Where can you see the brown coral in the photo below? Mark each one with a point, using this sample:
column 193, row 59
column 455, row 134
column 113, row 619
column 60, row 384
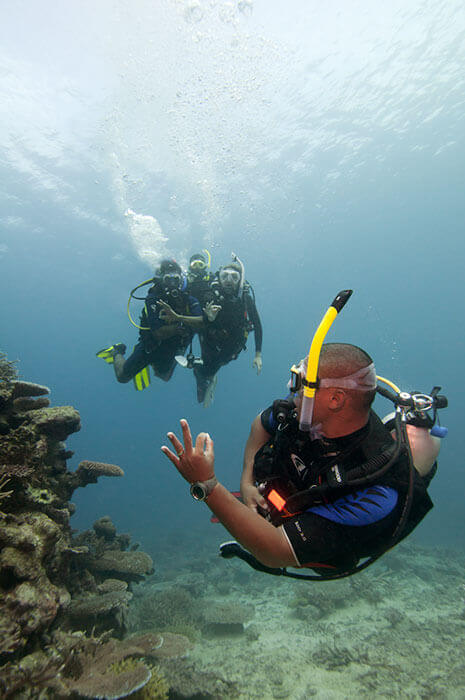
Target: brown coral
column 171, row 646
column 47, row 583
column 95, row 605
column 17, row 471
column 26, row 389
column 100, row 611
column 56, row 422
column 4, row 494
column 97, row 676
column 8, row 371
column 88, row 472
column 129, row 566
column 24, row 403
column 29, row 608
column 103, row 527
column 29, row 601
column 225, row 617
column 111, row 683
column 111, row 585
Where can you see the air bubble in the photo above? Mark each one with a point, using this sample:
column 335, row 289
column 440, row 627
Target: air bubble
column 245, row 7
column 193, row 12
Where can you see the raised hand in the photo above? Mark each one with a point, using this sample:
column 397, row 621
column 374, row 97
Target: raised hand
column 194, row 463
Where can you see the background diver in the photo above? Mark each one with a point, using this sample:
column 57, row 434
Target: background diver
column 161, row 336
column 199, row 277
column 223, row 336
column 325, row 484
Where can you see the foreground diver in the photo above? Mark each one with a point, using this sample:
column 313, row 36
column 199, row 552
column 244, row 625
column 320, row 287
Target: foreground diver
column 325, row 484
column 162, row 334
column 225, row 337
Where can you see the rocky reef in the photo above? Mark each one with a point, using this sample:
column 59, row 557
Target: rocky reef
column 64, row 596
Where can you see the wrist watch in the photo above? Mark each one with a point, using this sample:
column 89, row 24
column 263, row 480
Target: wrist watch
column 200, row 490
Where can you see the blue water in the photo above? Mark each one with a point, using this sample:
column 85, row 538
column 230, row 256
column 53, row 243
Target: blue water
column 322, row 144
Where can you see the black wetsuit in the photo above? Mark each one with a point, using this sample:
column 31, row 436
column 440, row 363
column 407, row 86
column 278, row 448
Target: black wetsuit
column 199, row 286
column 352, row 523
column 161, row 353
column 224, row 338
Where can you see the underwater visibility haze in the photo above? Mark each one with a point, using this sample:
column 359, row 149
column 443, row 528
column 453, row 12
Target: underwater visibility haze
column 323, row 143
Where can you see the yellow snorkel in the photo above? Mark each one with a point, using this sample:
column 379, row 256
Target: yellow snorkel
column 209, row 257
column 310, row 381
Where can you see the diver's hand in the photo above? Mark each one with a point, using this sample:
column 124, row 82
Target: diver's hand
column 211, row 310
column 252, row 497
column 193, row 463
column 166, row 313
column 257, row 362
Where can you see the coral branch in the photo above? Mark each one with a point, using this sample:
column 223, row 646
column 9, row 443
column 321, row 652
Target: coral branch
column 88, row 472
column 27, row 389
column 4, row 480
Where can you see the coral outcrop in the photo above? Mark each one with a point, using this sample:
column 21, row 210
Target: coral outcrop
column 92, row 667
column 64, row 597
column 227, row 618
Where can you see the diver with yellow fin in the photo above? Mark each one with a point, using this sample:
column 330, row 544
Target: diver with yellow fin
column 326, row 485
column 167, row 324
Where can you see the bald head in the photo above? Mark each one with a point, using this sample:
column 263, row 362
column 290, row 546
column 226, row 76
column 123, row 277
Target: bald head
column 341, row 359
column 344, row 360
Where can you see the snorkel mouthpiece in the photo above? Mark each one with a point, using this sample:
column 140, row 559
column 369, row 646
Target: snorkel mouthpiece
column 341, row 299
column 310, row 381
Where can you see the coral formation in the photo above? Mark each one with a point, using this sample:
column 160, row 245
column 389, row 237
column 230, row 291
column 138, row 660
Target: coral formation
column 156, row 689
column 130, row 566
column 28, row 389
column 87, row 667
column 58, row 589
column 165, row 609
column 111, row 669
column 25, row 403
column 89, row 472
column 104, row 528
column 227, row 618
column 8, row 371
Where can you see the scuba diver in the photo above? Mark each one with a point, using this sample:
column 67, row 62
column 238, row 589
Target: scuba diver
column 199, row 277
column 230, row 315
column 167, row 324
column 325, row 484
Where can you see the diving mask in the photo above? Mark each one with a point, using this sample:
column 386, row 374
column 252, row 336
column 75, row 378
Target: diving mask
column 198, row 266
column 172, row 280
column 295, row 383
column 229, row 276
column 363, row 379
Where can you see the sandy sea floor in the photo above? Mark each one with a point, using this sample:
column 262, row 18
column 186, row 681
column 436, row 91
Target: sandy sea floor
column 396, row 630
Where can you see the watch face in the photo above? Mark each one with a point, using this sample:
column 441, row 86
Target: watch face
column 198, row 492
